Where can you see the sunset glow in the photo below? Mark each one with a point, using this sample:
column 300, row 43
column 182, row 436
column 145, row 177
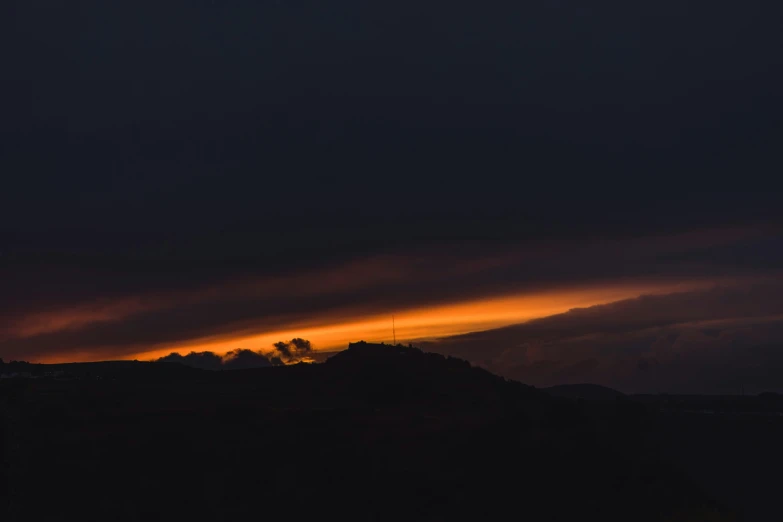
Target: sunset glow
column 431, row 322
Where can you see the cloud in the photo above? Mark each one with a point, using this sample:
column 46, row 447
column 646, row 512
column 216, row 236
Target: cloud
column 283, row 348
column 289, row 352
column 202, row 360
column 239, row 359
column 233, row 360
column 295, row 350
column 199, row 184
column 714, row 340
column 122, row 313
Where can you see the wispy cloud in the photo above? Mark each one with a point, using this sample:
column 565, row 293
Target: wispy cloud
column 701, row 340
column 434, row 292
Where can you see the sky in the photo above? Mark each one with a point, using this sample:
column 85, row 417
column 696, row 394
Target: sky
column 215, row 175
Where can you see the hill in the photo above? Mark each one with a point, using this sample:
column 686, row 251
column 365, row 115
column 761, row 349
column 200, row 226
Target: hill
column 133, row 370
column 374, row 433
column 592, row 392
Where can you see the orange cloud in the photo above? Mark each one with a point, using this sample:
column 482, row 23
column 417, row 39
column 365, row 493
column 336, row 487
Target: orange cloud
column 72, row 318
column 430, row 322
column 432, row 292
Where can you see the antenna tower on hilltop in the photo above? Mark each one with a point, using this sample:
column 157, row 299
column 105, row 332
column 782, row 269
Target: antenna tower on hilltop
column 394, row 332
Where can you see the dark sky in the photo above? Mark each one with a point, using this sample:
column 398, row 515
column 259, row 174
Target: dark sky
column 152, row 150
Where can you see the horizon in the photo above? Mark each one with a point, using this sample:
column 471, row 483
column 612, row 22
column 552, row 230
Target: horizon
column 433, row 323
column 222, row 176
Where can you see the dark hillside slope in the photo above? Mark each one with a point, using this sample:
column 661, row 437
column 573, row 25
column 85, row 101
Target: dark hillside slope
column 590, row 392
column 375, row 433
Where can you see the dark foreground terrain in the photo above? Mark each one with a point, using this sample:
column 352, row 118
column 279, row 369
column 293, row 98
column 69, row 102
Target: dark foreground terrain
column 375, row 433
column 731, row 446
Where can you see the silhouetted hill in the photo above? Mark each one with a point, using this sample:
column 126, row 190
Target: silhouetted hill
column 593, row 392
column 134, row 370
column 375, row 433
column 126, row 370
column 398, row 373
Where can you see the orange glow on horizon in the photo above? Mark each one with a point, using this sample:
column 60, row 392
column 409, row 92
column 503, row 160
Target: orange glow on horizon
column 421, row 323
